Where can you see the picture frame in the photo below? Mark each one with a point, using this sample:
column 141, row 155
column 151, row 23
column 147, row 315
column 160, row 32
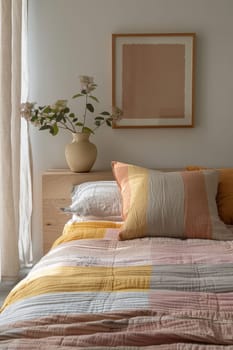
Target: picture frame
column 153, row 79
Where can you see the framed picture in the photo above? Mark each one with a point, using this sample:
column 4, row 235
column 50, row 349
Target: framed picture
column 153, row 79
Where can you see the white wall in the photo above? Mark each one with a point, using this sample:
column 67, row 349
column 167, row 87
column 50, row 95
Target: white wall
column 68, row 38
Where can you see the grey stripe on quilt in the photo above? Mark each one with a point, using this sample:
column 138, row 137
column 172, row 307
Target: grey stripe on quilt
column 195, row 277
column 93, row 302
column 79, row 303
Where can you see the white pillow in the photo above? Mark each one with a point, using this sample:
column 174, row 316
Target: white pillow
column 75, row 218
column 96, row 200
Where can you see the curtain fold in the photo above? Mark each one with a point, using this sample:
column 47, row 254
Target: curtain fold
column 25, row 207
column 25, row 204
column 10, row 98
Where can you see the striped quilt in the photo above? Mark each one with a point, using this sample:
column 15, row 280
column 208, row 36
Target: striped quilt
column 92, row 291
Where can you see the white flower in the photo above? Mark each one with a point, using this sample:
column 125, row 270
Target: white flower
column 26, row 110
column 85, row 79
column 116, row 113
column 87, row 83
column 59, row 105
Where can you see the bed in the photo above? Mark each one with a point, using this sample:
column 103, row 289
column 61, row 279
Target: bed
column 115, row 284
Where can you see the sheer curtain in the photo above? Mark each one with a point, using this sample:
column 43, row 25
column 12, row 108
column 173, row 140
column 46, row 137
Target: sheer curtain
column 25, row 241
column 10, row 129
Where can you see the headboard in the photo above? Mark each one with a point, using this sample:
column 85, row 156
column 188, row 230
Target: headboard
column 56, row 193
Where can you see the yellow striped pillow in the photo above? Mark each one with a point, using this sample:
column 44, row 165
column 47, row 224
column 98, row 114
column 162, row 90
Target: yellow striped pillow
column 171, row 204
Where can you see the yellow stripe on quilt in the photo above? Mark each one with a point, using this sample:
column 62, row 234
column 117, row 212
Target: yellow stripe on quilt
column 85, row 230
column 83, row 279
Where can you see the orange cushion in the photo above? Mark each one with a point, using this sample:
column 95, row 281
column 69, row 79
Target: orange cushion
column 224, row 195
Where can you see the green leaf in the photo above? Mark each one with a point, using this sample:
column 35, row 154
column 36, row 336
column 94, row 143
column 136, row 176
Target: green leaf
column 71, row 115
column 75, row 120
column 87, row 130
column 79, row 124
column 94, row 98
column 59, row 117
column 44, row 127
column 47, row 110
column 97, row 123
column 77, row 95
column 54, row 129
column 105, row 113
column 108, row 122
column 90, row 107
column 66, row 110
column 99, row 118
column 84, row 92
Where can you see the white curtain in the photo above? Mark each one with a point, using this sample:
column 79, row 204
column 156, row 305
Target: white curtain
column 10, row 128
column 25, row 241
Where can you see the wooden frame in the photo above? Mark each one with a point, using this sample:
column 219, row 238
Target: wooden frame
column 153, row 79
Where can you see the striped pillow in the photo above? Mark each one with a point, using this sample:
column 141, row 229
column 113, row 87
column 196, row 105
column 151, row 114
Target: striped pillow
column 172, row 204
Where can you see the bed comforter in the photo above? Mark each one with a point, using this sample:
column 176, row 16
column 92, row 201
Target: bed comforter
column 94, row 291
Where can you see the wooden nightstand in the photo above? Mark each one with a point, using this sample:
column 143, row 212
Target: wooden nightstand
column 57, row 185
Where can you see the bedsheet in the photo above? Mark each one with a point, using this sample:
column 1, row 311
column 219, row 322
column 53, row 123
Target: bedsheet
column 95, row 292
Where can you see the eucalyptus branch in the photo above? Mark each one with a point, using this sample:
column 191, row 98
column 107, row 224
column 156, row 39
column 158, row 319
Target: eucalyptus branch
column 53, row 117
column 97, row 126
column 85, row 111
column 66, row 127
column 73, row 126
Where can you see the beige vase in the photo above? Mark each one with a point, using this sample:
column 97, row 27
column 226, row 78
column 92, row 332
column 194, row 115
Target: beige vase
column 80, row 153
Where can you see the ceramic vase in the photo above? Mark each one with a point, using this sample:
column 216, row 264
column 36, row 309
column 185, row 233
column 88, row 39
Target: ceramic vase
column 80, row 153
